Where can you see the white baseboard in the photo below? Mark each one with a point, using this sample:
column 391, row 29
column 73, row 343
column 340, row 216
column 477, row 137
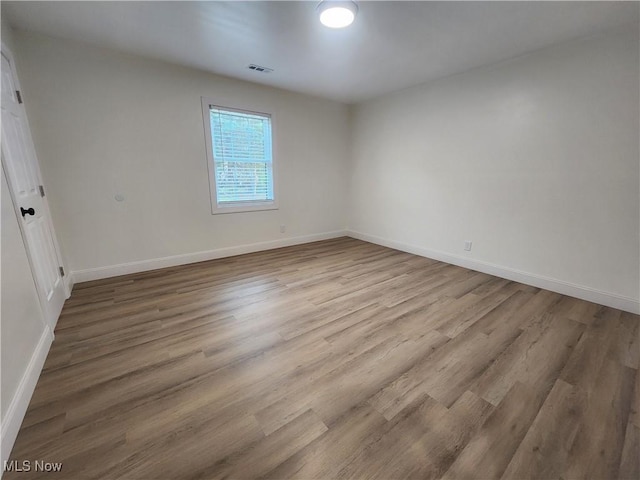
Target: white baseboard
column 18, row 407
column 155, row 263
column 578, row 291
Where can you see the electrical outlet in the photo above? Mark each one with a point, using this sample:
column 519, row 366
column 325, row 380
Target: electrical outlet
column 283, row 228
column 467, row 245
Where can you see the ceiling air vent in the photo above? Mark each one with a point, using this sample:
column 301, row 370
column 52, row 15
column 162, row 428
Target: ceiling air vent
column 258, row 68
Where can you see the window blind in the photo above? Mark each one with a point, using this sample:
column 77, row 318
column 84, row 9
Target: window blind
column 242, row 154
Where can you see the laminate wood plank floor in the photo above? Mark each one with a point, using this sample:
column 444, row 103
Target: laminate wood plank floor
column 335, row 359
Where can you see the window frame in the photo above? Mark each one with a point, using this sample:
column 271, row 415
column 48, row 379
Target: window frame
column 241, row 206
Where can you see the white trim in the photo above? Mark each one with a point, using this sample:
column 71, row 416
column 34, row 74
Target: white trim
column 18, row 407
column 249, row 207
column 155, row 263
column 565, row 288
column 68, row 283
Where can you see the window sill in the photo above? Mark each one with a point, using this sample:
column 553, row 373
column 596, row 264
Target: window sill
column 239, row 208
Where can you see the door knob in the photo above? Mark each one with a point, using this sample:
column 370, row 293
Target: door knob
column 29, row 211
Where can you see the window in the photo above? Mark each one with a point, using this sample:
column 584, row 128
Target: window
column 240, row 156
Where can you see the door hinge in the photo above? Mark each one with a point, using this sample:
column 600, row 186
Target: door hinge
column 41, row 188
column 61, row 271
column 19, row 96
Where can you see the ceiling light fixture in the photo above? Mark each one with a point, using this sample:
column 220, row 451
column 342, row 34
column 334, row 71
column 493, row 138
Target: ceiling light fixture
column 337, row 14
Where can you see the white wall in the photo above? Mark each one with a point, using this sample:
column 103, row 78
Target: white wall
column 106, row 123
column 535, row 160
column 24, row 337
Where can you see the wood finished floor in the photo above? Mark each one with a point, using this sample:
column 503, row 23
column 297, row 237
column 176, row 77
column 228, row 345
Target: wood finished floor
column 337, row 359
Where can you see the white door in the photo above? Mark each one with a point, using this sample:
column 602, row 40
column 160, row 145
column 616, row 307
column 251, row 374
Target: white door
column 23, row 174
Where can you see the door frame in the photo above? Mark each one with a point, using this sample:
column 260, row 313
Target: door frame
column 67, row 281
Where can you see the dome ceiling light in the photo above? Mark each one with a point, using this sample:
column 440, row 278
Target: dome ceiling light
column 337, row 14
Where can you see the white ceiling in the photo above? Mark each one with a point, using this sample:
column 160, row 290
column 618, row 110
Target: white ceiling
column 391, row 45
